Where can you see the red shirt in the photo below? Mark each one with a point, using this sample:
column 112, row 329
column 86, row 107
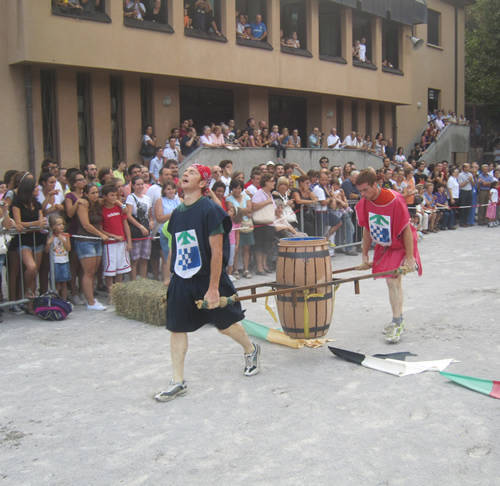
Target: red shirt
column 112, row 221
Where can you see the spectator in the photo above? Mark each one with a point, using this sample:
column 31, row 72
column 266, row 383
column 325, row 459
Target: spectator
column 429, row 206
column 355, row 50
column 444, row 212
column 203, row 19
column 304, row 200
column 387, row 183
column 77, row 183
column 484, row 182
column 163, row 210
column 315, row 139
column 389, row 150
column 90, row 172
column 216, row 138
column 333, row 140
column 105, row 175
column 171, row 152
column 27, row 214
column 254, row 184
column 227, row 170
column 282, row 38
column 140, row 218
column 362, row 50
column 189, row 142
column 293, row 41
column 259, row 29
column 89, row 248
column 241, row 203
column 188, row 21
column 399, row 158
column 120, row 171
column 133, row 170
column 294, row 140
column 49, row 197
column 491, row 212
column 349, row 186
column 134, row 9
column 241, row 25
column 264, row 233
column 350, row 141
column 114, row 224
column 148, row 145
column 156, row 163
column 58, row 246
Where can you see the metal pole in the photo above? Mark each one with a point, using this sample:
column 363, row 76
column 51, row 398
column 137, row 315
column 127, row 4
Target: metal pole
column 302, row 218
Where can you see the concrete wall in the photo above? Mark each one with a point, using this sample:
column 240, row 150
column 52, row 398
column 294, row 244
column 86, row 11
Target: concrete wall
column 245, row 158
column 454, row 139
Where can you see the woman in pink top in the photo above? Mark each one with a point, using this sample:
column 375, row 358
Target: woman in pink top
column 217, row 138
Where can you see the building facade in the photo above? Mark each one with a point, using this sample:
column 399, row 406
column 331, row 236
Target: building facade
column 80, row 84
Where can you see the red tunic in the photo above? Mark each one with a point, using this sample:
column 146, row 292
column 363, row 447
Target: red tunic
column 385, row 219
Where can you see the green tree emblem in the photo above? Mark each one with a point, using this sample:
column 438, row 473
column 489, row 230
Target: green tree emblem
column 184, row 238
column 378, row 219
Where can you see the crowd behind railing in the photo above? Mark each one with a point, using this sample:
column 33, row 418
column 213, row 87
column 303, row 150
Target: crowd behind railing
column 95, row 226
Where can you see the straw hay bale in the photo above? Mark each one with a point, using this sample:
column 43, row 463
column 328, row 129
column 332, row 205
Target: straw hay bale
column 143, row 300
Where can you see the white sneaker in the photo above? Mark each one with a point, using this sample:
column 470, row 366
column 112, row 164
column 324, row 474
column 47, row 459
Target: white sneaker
column 97, row 306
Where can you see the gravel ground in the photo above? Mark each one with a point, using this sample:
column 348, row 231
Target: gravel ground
column 76, row 405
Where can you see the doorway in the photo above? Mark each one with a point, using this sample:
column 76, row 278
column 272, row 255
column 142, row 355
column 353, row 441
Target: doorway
column 290, row 112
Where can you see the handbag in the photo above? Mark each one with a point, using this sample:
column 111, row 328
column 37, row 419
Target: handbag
column 289, row 215
column 141, row 217
column 147, row 150
column 265, row 215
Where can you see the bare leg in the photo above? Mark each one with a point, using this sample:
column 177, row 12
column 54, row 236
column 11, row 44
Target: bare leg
column 166, row 269
column 89, row 266
column 178, row 350
column 133, row 272
column 30, row 272
column 395, row 295
column 239, row 334
column 142, row 267
column 246, row 257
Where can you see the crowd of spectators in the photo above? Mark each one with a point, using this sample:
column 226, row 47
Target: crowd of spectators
column 117, row 218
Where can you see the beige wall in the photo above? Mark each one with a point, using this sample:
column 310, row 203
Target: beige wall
column 72, row 42
column 433, row 67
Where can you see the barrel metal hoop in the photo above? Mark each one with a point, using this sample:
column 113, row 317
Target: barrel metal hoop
column 304, row 255
column 285, row 298
column 312, row 330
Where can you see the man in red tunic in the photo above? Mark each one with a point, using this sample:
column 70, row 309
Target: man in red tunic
column 385, row 219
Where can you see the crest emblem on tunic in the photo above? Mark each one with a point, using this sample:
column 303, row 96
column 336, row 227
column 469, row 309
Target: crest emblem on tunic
column 188, row 257
column 380, row 228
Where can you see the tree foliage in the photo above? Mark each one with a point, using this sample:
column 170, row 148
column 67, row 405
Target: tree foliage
column 482, row 52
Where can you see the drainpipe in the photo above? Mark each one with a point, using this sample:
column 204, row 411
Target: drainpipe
column 456, row 60
column 28, row 90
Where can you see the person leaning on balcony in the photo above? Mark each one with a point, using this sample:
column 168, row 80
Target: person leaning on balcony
column 259, row 29
column 241, row 25
column 333, row 140
column 315, row 139
column 217, row 139
column 293, row 41
column 190, row 142
column 134, row 9
column 350, row 141
column 294, row 140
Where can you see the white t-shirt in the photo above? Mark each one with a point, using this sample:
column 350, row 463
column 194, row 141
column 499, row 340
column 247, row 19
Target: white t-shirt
column 453, row 186
column 493, row 195
column 141, row 204
column 400, row 158
column 251, row 189
column 319, row 192
column 362, row 52
column 332, row 140
column 204, row 140
column 226, row 181
column 58, row 199
column 155, row 165
column 60, row 254
column 170, row 153
column 349, row 142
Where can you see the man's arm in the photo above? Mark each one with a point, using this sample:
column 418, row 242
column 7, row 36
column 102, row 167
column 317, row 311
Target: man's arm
column 408, row 244
column 367, row 241
column 212, row 295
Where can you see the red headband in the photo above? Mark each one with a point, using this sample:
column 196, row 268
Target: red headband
column 205, row 174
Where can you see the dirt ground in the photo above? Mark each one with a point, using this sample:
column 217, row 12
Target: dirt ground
column 76, row 406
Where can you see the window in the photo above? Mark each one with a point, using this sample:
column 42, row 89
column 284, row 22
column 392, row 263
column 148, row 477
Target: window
column 116, row 95
column 433, row 23
column 246, row 16
column 354, row 115
column 390, row 45
column 82, row 9
column 202, row 19
column 433, row 99
column 361, row 38
column 49, row 114
column 368, row 118
column 340, row 117
column 205, row 105
column 293, row 22
column 330, row 35
column 146, row 102
column 147, row 14
column 84, row 119
column 290, row 112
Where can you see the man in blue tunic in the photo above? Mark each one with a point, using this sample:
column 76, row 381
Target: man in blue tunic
column 200, row 248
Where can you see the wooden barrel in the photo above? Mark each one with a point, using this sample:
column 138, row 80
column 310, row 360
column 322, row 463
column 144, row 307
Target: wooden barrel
column 304, row 261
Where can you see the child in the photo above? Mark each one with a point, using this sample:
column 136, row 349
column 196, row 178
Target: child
column 59, row 246
column 491, row 211
column 116, row 260
column 429, row 206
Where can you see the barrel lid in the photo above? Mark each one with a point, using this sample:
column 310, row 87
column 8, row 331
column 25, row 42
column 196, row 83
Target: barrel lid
column 302, row 241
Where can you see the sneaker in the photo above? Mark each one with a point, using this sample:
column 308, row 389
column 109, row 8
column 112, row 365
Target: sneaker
column 97, row 306
column 233, row 279
column 77, row 300
column 16, row 309
column 247, row 274
column 174, row 390
column 395, row 336
column 252, row 361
